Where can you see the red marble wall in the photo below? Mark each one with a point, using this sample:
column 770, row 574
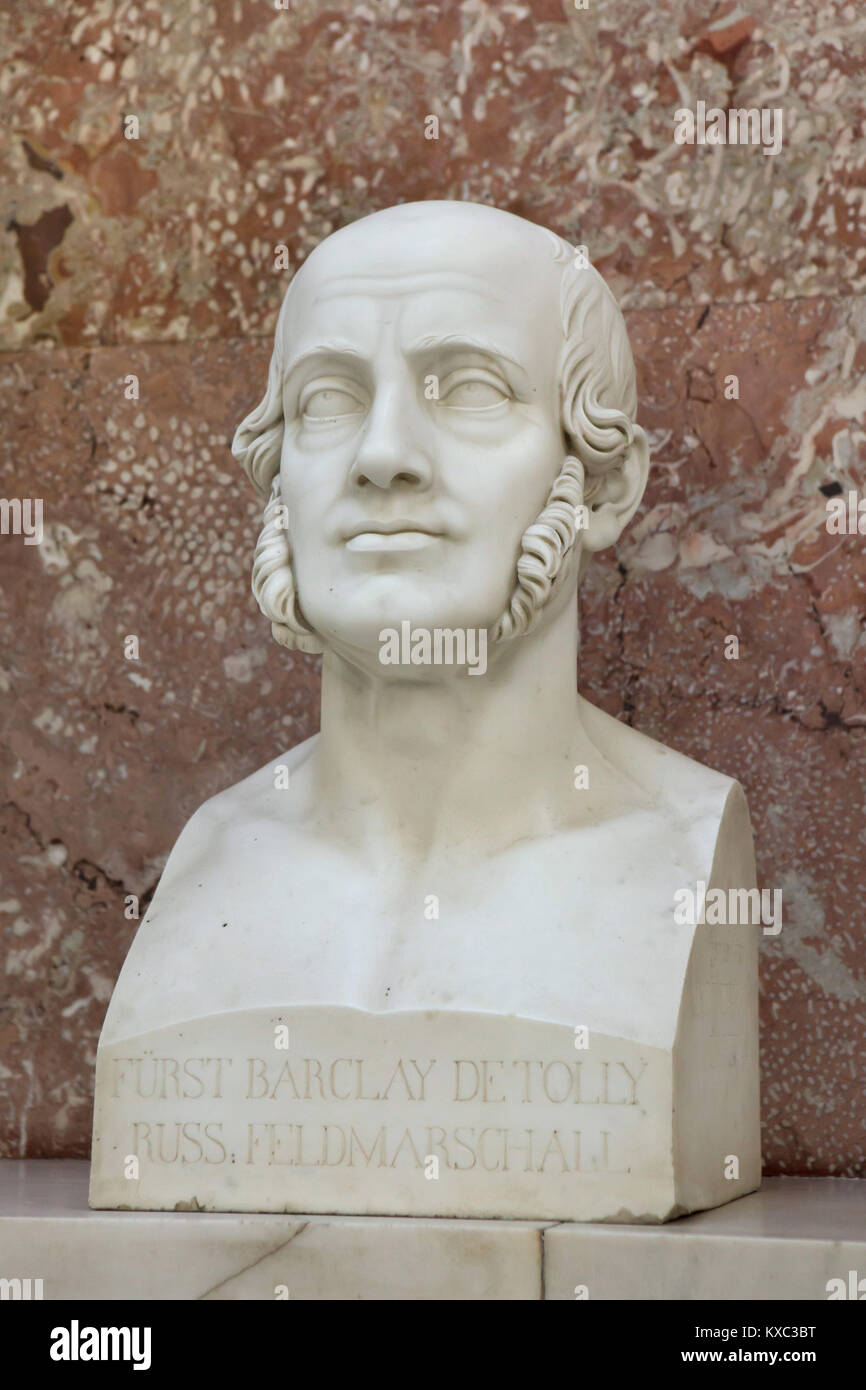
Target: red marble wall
column 155, row 257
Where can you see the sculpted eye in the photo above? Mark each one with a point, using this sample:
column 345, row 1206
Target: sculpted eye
column 473, row 393
column 330, row 403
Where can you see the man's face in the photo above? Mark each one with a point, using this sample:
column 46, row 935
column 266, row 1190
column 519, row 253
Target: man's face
column 422, row 429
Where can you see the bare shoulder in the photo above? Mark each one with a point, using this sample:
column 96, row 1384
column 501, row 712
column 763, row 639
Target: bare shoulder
column 252, row 796
column 232, row 815
column 678, row 786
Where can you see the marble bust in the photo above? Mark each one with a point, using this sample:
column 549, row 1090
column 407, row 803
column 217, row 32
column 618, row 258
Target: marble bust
column 428, row 961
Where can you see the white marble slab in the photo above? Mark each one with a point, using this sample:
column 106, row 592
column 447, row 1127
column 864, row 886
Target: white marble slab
column 48, row 1231
column 784, row 1242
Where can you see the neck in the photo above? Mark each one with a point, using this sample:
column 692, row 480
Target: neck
column 416, row 766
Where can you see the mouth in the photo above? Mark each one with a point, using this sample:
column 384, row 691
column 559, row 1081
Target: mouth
column 390, row 535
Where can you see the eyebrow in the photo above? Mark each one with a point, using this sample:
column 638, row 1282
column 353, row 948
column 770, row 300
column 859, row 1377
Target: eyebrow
column 461, row 342
column 333, row 349
column 452, row 342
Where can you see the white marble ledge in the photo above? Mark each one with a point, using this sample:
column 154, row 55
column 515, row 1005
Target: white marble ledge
column 48, row 1231
column 785, row 1241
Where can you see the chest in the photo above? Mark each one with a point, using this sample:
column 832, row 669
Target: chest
column 564, row 927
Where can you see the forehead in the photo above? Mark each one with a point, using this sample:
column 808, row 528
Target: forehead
column 429, row 276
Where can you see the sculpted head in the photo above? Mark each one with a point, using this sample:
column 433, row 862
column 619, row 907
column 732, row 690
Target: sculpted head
column 448, row 430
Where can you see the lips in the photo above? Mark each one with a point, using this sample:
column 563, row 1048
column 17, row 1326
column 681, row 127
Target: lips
column 401, row 526
column 387, row 537
column 390, row 541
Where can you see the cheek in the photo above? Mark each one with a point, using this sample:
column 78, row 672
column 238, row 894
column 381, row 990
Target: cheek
column 303, row 491
column 303, row 522
column 520, row 488
column 518, row 458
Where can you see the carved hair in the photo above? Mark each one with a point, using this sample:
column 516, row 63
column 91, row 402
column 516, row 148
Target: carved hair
column 598, row 405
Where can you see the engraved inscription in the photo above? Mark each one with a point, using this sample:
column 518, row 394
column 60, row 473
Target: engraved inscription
column 273, row 1112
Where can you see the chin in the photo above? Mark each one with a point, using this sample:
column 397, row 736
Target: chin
column 362, row 629
column 364, row 608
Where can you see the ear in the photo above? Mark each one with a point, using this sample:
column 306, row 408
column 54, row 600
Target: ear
column 617, row 496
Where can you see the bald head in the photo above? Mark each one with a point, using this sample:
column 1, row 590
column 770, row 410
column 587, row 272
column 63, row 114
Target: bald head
column 419, row 238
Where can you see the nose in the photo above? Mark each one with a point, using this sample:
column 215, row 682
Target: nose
column 391, row 449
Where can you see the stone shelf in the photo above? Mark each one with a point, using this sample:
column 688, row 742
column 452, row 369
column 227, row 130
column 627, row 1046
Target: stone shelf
column 784, row 1242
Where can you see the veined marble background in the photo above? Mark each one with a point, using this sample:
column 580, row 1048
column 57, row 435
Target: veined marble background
column 155, row 256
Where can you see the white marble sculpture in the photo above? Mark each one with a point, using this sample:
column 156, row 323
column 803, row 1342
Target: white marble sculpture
column 429, row 961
